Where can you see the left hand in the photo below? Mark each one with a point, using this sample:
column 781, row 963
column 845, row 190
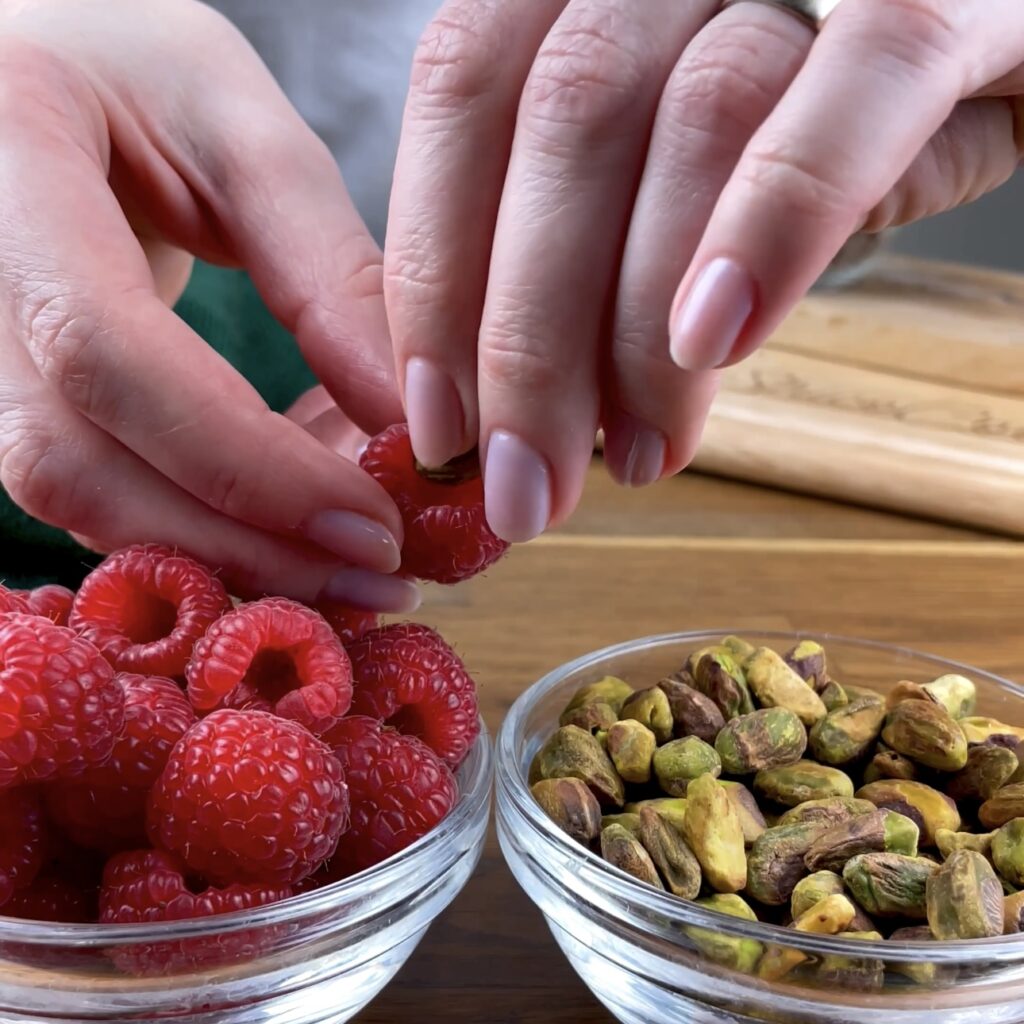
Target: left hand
column 600, row 202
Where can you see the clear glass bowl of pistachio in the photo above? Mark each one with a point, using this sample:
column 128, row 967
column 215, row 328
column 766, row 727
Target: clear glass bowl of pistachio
column 774, row 827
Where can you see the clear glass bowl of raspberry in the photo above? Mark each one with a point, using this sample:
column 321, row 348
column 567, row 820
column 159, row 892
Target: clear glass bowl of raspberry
column 316, row 958
column 632, row 944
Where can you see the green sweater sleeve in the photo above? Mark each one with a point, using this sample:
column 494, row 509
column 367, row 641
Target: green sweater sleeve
column 223, row 307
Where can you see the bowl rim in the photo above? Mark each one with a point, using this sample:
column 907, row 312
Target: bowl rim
column 511, row 781
column 475, row 778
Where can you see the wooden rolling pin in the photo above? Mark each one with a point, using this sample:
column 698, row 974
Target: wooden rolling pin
column 905, row 392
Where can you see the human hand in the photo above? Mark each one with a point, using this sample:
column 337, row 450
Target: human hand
column 136, row 135
column 599, row 203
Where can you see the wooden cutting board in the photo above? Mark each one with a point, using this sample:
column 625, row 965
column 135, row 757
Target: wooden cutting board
column 904, row 392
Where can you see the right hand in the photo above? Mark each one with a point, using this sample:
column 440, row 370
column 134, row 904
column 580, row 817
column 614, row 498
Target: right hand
column 137, row 135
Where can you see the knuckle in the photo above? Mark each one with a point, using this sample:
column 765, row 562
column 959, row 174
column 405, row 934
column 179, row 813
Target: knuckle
column 458, row 57
column 586, row 79
column 909, row 36
column 228, row 489
column 510, row 359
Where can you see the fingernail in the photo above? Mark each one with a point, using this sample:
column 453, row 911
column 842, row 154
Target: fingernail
column 517, row 489
column 635, row 453
column 434, row 412
column 355, row 538
column 710, row 317
column 372, row 591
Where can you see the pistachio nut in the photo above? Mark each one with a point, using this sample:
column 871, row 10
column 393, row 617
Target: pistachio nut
column 1018, row 752
column 957, row 694
column 720, row 678
column 858, row 974
column 984, row 730
column 829, row 917
column 807, row 660
column 887, row 764
column 926, row 733
column 905, row 689
column 678, row 867
column 631, row 746
column 830, row 811
column 1008, row 851
column 776, row 861
column 625, row 851
column 1013, row 914
column 768, row 738
column 731, row 951
column 672, row 809
column 594, row 717
column 805, row 780
column 919, row 972
column 949, row 842
column 693, row 714
column 889, row 884
column 713, row 831
column 927, row 807
column 571, row 805
column 739, row 647
column 881, row 832
column 690, row 668
column 751, row 819
column 846, row 733
column 572, row 753
column 651, row 708
column 813, row 889
column 610, row 691
column 679, row 762
column 776, row 685
column 630, row 822
column 1007, row 804
column 853, row 692
column 988, row 769
column 965, row 899
column 833, row 696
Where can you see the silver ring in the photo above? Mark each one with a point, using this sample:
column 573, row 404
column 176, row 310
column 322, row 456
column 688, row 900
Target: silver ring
column 813, row 12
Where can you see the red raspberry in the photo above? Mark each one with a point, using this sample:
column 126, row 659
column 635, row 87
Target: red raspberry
column 149, row 886
column 348, row 623
column 146, row 606
column 273, row 655
column 447, row 538
column 400, row 789
column 23, row 841
column 409, row 677
column 248, row 797
column 60, row 708
column 52, row 602
column 13, row 601
column 58, row 894
column 105, row 808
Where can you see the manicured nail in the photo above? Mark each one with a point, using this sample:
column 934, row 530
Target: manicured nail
column 434, row 412
column 710, row 317
column 517, row 489
column 355, row 538
column 634, row 452
column 372, row 591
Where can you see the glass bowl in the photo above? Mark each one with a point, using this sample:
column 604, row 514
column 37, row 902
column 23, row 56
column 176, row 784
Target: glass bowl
column 317, row 958
column 629, row 942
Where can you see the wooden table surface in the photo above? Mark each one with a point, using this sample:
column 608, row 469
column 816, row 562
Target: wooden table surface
column 693, row 552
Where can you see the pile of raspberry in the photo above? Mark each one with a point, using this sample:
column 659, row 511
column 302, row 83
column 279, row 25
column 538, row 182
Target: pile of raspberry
column 166, row 753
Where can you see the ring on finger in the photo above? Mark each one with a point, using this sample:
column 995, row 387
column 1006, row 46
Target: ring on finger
column 813, row 12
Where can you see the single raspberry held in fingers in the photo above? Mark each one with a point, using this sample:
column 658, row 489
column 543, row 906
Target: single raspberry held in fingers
column 105, row 807
column 146, row 606
column 249, row 797
column 52, row 602
column 13, row 601
column 348, row 623
column 272, row 655
column 61, row 709
column 407, row 676
column 399, row 788
column 24, row 841
column 150, row 886
column 447, row 538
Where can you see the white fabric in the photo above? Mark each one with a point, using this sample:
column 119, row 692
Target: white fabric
column 345, row 65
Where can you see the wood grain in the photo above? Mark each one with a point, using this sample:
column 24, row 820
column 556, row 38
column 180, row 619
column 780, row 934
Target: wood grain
column 490, row 958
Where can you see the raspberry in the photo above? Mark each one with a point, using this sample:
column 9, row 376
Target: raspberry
column 348, row 623
column 148, row 886
column 409, row 677
column 13, row 601
column 273, row 655
column 52, row 602
column 105, row 808
column 60, row 708
column 66, row 896
column 146, row 606
column 447, row 538
column 400, row 789
column 23, row 841
column 248, row 797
